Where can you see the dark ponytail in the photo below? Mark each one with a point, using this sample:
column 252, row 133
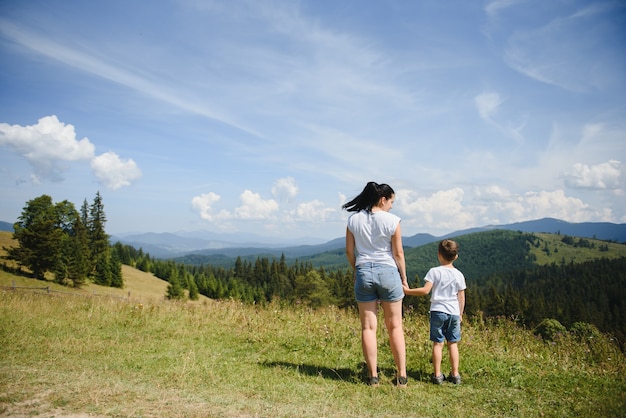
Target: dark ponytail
column 369, row 197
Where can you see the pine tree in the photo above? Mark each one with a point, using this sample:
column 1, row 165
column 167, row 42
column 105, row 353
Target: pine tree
column 75, row 250
column 39, row 237
column 193, row 287
column 115, row 266
column 174, row 288
column 102, row 273
column 98, row 239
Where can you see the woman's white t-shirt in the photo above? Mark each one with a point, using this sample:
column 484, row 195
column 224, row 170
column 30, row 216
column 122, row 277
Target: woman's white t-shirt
column 372, row 236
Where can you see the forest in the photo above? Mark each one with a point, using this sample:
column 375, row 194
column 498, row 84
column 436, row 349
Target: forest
column 72, row 245
column 501, row 268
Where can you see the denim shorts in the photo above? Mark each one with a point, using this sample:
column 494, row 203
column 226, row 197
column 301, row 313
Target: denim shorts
column 444, row 325
column 375, row 281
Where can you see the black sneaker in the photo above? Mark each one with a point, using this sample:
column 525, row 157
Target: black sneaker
column 437, row 380
column 374, row 381
column 401, row 381
column 456, row 380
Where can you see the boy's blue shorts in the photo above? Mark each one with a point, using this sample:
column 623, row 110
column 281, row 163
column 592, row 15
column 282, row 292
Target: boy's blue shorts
column 444, row 326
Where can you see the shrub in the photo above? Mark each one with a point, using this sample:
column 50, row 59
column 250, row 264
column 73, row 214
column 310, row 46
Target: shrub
column 549, row 329
column 584, row 331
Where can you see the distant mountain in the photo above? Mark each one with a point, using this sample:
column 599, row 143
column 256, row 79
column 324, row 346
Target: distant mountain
column 169, row 245
column 5, row 226
column 204, row 244
column 599, row 230
column 418, row 240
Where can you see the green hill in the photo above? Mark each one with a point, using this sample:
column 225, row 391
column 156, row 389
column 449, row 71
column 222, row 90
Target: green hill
column 138, row 285
column 483, row 254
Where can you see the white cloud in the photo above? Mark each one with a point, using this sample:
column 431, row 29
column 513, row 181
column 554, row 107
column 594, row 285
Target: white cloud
column 314, row 211
column 285, row 188
column 113, row 172
column 555, row 204
column 487, row 104
column 443, row 209
column 45, row 145
column 493, row 8
column 456, row 208
column 600, row 176
column 253, row 207
column 204, row 204
column 49, row 143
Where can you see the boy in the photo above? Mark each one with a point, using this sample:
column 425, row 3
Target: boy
column 447, row 303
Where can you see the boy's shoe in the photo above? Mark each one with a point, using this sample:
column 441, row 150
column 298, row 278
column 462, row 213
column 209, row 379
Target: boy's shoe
column 401, row 381
column 437, row 380
column 456, row 380
column 373, row 381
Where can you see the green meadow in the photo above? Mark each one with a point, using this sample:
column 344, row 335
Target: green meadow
column 105, row 352
column 82, row 355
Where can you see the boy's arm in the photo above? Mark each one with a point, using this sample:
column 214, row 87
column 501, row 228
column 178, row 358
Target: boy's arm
column 419, row 291
column 461, row 297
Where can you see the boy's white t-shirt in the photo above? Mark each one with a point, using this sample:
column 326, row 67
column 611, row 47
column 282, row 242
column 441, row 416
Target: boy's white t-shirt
column 372, row 236
column 447, row 282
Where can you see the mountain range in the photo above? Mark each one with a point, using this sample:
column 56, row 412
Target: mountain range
column 172, row 245
column 169, row 245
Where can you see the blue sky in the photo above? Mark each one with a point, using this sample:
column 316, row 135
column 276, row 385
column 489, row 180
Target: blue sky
column 263, row 117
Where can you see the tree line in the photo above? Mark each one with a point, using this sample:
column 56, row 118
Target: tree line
column 507, row 284
column 71, row 245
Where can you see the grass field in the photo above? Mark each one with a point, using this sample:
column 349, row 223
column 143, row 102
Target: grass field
column 75, row 355
column 69, row 356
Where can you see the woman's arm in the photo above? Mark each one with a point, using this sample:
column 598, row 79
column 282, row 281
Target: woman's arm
column 350, row 249
column 398, row 254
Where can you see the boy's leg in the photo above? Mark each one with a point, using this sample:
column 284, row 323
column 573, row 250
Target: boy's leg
column 437, row 354
column 369, row 322
column 453, row 349
column 393, row 322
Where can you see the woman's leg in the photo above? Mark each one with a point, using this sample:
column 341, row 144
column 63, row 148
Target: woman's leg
column 369, row 322
column 393, row 321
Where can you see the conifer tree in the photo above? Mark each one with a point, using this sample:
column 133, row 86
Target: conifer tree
column 74, row 251
column 174, row 288
column 39, row 237
column 193, row 287
column 115, row 266
column 102, row 273
column 98, row 239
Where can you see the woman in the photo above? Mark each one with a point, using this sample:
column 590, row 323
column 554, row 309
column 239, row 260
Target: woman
column 374, row 250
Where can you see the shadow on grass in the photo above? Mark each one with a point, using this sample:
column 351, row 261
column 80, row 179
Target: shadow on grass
column 343, row 374
column 19, row 271
column 419, row 375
